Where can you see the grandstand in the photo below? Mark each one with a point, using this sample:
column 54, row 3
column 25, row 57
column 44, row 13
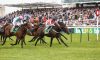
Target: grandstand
column 82, row 3
column 75, row 1
column 35, row 5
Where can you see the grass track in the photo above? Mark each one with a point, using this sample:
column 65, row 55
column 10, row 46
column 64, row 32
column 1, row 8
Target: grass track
column 76, row 50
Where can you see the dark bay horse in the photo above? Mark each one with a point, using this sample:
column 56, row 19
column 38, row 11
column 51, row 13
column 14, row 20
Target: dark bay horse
column 36, row 34
column 54, row 33
column 20, row 34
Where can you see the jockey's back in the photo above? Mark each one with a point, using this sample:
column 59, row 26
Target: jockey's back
column 17, row 20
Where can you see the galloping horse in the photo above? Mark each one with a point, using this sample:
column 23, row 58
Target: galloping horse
column 53, row 33
column 2, row 31
column 20, row 34
column 37, row 35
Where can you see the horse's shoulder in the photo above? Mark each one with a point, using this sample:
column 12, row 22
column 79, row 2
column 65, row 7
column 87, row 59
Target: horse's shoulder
column 9, row 26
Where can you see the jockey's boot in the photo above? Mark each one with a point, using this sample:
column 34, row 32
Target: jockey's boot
column 12, row 29
column 48, row 29
column 29, row 31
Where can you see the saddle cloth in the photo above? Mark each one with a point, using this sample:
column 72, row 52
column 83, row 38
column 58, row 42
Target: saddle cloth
column 15, row 29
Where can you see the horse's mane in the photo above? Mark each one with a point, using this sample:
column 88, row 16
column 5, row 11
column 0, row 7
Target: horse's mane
column 23, row 25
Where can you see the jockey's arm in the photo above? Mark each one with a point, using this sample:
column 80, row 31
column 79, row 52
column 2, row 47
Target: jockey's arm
column 52, row 25
column 14, row 22
column 21, row 22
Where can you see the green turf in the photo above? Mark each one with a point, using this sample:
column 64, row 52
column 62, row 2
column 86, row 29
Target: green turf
column 76, row 50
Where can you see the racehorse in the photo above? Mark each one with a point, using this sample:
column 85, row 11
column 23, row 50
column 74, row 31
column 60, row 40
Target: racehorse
column 36, row 34
column 20, row 34
column 2, row 32
column 53, row 33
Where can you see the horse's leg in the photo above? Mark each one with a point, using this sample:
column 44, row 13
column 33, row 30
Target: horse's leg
column 40, row 41
column 22, row 41
column 63, row 41
column 51, row 41
column 63, row 36
column 43, row 41
column 58, row 40
column 4, row 40
column 11, row 39
column 33, row 39
column 37, row 41
column 17, row 42
column 1, row 38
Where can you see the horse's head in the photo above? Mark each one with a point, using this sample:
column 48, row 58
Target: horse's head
column 6, row 24
column 27, row 25
column 63, row 27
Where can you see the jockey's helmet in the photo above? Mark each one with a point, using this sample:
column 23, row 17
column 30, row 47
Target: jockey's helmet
column 21, row 17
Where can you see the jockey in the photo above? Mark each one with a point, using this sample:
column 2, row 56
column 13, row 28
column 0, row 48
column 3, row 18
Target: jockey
column 31, row 20
column 49, row 23
column 44, row 19
column 26, row 17
column 60, row 18
column 17, row 21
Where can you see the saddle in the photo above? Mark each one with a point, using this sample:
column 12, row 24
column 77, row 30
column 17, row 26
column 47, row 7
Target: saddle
column 15, row 29
column 47, row 29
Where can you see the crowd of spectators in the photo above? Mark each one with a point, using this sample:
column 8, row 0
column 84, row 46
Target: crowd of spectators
column 71, row 16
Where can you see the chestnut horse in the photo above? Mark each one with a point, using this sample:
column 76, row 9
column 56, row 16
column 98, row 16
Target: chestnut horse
column 2, row 31
column 20, row 34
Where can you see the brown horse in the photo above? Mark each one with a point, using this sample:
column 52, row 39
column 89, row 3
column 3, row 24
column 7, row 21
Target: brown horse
column 54, row 33
column 36, row 34
column 2, row 31
column 20, row 34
